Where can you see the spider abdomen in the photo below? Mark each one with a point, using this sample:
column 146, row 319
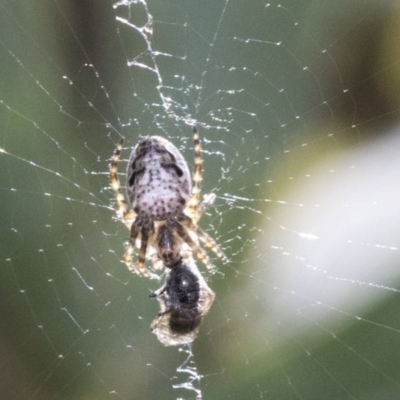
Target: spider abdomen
column 159, row 182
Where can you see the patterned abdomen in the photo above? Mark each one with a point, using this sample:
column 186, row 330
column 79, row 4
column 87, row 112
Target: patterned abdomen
column 159, row 183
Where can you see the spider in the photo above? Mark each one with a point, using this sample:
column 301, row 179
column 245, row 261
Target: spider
column 162, row 209
column 184, row 298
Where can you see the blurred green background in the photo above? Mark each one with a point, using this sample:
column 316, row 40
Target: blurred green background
column 298, row 104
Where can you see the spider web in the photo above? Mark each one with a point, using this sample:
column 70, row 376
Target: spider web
column 298, row 110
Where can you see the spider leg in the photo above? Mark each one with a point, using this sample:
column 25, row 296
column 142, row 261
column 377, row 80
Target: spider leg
column 181, row 231
column 197, row 176
column 145, row 228
column 210, row 243
column 146, row 231
column 208, row 199
column 114, row 181
column 203, row 236
column 135, row 229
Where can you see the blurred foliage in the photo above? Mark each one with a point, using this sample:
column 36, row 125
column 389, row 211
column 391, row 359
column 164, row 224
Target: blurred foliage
column 74, row 322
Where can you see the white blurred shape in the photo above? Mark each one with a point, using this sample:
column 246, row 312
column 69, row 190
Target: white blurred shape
column 355, row 262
